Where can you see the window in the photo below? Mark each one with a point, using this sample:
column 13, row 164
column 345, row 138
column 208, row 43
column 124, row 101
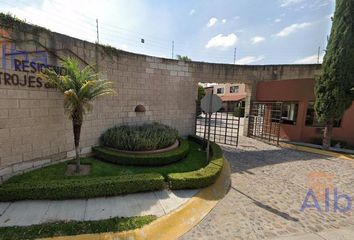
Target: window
column 220, row 90
column 234, row 89
column 289, row 112
column 311, row 119
column 241, row 104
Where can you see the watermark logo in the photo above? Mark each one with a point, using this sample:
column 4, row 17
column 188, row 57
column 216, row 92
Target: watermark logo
column 321, row 190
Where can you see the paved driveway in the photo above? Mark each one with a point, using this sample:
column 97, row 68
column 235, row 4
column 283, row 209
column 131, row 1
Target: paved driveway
column 269, row 185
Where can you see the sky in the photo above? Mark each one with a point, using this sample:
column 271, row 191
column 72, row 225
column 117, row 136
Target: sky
column 262, row 32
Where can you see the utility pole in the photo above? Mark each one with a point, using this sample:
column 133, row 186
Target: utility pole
column 173, row 48
column 98, row 36
column 235, row 56
column 318, row 55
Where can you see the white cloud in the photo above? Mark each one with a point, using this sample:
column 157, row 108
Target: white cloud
column 316, row 4
column 191, row 12
column 223, row 21
column 249, row 59
column 309, row 59
column 220, row 41
column 293, row 28
column 212, row 21
column 313, row 4
column 277, row 20
column 237, row 17
column 257, row 39
column 287, row 3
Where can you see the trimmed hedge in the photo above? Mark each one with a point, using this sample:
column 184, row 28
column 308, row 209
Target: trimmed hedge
column 153, row 159
column 202, row 177
column 201, row 141
column 82, row 188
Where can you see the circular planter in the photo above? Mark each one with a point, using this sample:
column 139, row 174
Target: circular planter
column 150, row 158
column 173, row 146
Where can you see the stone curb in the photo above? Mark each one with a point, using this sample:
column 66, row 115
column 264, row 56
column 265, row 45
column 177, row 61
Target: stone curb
column 317, row 151
column 174, row 224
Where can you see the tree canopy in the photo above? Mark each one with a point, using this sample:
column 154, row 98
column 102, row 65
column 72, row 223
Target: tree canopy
column 183, row 58
column 333, row 88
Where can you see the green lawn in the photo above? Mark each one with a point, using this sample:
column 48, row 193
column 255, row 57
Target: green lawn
column 116, row 224
column 195, row 160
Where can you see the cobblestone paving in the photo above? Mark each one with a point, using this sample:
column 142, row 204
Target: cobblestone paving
column 269, row 185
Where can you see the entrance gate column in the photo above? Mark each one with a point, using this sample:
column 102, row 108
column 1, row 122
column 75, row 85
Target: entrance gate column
column 250, row 97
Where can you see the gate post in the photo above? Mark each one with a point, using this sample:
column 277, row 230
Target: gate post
column 250, row 96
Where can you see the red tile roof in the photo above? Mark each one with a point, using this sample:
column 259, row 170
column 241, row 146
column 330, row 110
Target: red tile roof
column 229, row 98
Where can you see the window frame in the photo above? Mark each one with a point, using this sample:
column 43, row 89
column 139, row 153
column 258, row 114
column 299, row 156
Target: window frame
column 281, row 120
column 223, row 90
column 235, row 86
column 294, row 106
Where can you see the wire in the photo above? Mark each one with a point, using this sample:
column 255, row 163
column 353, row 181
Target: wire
column 154, row 45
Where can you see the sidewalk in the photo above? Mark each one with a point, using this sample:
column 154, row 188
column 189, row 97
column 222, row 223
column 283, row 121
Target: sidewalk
column 159, row 203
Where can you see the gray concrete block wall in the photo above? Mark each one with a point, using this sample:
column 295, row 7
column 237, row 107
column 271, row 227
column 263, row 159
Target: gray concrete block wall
column 34, row 128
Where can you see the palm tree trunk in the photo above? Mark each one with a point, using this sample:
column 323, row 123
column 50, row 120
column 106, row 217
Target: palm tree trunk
column 327, row 135
column 77, row 131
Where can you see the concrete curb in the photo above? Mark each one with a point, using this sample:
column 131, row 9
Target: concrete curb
column 176, row 223
column 317, row 151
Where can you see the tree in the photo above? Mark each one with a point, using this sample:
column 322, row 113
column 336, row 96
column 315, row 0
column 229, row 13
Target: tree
column 333, row 87
column 183, row 58
column 79, row 87
column 201, row 92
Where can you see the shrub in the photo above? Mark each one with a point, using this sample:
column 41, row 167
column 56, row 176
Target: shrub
column 239, row 111
column 201, row 141
column 82, row 188
column 139, row 138
column 152, row 159
column 202, row 177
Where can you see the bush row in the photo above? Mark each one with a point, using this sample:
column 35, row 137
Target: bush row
column 153, row 159
column 202, row 177
column 82, row 188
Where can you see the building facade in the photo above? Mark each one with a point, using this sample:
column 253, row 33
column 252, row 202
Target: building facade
column 299, row 121
column 231, row 94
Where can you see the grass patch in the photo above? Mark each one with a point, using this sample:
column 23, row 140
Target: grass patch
column 116, row 224
column 196, row 159
column 107, row 179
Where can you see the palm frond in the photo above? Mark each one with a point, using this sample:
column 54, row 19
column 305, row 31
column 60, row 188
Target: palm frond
column 79, row 86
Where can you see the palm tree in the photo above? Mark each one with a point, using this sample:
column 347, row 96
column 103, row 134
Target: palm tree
column 79, row 87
